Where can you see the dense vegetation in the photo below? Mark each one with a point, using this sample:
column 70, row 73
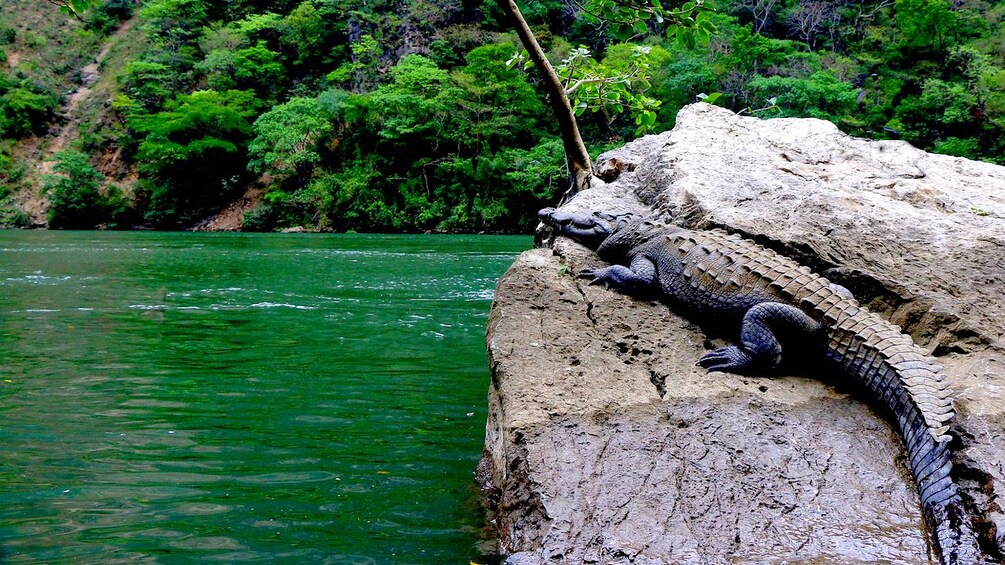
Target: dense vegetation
column 404, row 115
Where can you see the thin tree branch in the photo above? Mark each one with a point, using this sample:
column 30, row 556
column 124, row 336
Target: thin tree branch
column 66, row 6
column 576, row 155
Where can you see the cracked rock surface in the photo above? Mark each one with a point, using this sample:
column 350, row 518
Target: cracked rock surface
column 606, row 444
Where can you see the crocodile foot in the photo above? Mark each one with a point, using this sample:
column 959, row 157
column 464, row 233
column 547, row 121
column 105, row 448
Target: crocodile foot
column 729, row 359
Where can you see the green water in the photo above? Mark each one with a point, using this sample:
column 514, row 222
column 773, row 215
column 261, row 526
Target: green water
column 175, row 397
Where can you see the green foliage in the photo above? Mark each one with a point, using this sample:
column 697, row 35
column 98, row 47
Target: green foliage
column 968, row 148
column 428, row 150
column 305, row 33
column 267, row 26
column 174, row 22
column 404, row 116
column 107, row 15
column 194, row 124
column 262, row 218
column 288, row 139
column 689, row 23
column 147, row 83
column 251, row 68
column 943, row 109
column 361, row 69
column 350, row 199
column 820, row 95
column 753, row 52
column 612, row 87
column 491, row 103
column 615, row 86
column 678, row 80
column 75, row 194
column 11, row 170
column 410, row 105
column 193, row 152
column 24, row 110
column 925, row 24
column 73, row 7
column 13, row 217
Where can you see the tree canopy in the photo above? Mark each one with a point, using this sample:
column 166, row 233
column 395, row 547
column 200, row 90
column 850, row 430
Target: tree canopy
column 418, row 115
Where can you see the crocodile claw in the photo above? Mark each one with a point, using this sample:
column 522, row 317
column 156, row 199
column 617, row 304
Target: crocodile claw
column 727, row 359
column 596, row 276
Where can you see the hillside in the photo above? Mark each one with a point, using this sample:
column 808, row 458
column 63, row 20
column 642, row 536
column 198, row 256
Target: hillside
column 405, row 116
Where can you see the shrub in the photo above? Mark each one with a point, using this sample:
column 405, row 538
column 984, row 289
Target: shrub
column 75, row 197
column 24, row 112
column 12, row 217
column 261, row 219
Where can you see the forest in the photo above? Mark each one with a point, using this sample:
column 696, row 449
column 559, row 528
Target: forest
column 418, row 115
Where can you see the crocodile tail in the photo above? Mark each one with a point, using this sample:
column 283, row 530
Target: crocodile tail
column 912, row 385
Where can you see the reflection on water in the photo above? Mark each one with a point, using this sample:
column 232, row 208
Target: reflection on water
column 242, row 397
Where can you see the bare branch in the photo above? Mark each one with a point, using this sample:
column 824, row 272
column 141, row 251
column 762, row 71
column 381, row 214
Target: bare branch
column 762, row 12
column 807, row 21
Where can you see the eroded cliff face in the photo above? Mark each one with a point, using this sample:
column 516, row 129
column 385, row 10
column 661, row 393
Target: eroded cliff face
column 605, row 443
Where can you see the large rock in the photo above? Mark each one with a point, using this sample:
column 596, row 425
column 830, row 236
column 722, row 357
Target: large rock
column 606, row 444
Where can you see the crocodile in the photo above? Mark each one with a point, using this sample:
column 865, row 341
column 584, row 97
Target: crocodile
column 714, row 275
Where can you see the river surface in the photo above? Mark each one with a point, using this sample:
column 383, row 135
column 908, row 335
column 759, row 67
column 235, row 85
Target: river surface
column 178, row 397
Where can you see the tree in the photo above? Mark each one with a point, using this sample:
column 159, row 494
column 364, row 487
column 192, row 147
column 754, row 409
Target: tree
column 808, row 19
column 75, row 197
column 819, row 95
column 23, row 111
column 410, row 107
column 288, row 139
column 577, row 157
column 629, row 17
column 255, row 67
column 496, row 103
column 148, row 83
column 762, row 10
column 193, row 154
column 925, row 24
column 612, row 86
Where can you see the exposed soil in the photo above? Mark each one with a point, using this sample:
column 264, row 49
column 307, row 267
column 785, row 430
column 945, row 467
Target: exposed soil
column 42, row 150
column 89, row 74
column 232, row 217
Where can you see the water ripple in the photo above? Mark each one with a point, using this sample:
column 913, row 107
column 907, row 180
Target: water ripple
column 234, row 397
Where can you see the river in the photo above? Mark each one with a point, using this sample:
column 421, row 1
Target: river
column 177, row 397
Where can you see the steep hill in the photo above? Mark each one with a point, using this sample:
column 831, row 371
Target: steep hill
column 406, row 115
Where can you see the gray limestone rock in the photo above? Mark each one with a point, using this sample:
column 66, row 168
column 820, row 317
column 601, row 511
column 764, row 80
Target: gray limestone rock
column 606, row 444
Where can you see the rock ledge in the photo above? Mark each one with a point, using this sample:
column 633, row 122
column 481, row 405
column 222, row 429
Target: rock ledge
column 605, row 444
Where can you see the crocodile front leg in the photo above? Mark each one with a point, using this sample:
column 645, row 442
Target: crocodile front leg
column 759, row 346
column 636, row 278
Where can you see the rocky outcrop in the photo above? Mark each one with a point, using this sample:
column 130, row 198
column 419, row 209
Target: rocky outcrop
column 606, row 444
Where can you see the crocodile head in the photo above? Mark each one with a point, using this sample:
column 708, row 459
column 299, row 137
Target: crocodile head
column 588, row 228
column 612, row 236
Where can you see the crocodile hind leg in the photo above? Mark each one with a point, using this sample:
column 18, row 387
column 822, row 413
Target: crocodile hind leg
column 759, row 347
